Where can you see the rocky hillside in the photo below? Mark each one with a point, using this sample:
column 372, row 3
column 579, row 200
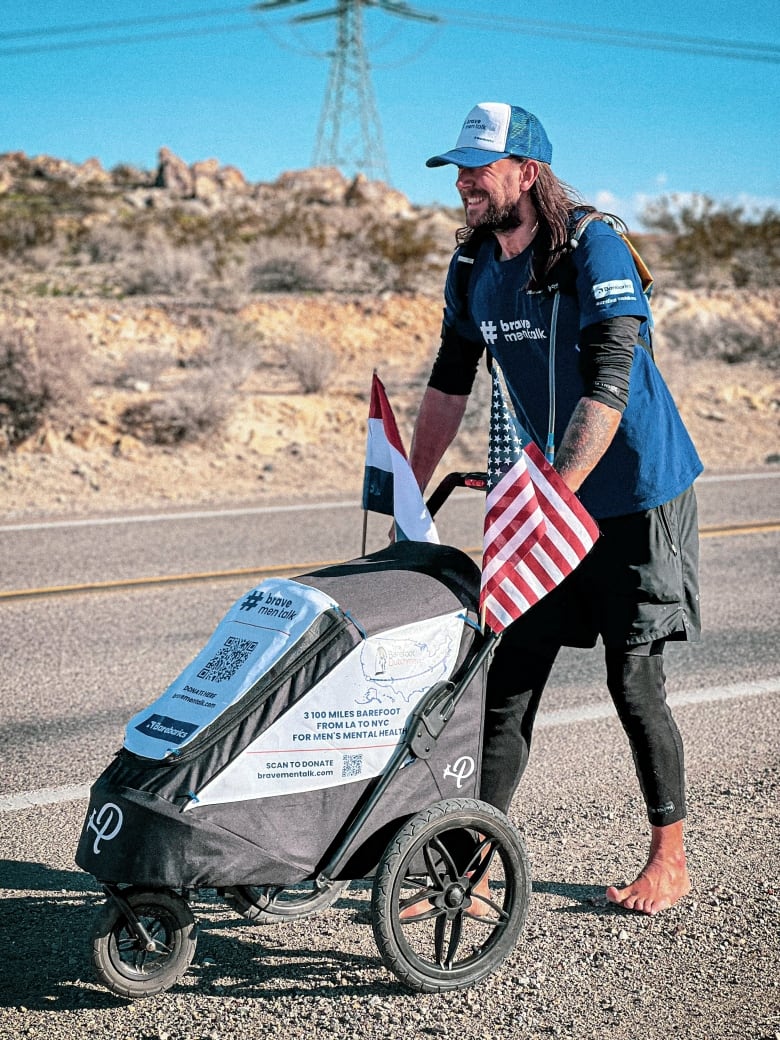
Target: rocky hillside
column 184, row 336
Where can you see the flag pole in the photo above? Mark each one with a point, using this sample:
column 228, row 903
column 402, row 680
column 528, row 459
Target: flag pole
column 365, row 507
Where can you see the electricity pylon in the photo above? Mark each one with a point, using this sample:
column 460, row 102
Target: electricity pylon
column 349, row 134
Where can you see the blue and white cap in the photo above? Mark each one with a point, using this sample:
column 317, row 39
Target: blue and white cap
column 494, row 130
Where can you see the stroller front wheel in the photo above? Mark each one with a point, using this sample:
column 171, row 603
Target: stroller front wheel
column 124, row 962
column 274, row 904
column 435, row 924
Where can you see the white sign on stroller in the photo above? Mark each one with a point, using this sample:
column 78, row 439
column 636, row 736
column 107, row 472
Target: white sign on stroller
column 349, row 724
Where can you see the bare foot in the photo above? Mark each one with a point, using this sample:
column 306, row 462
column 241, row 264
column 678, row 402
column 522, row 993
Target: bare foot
column 664, row 879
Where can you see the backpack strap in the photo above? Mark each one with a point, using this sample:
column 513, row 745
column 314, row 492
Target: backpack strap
column 467, row 255
column 577, row 229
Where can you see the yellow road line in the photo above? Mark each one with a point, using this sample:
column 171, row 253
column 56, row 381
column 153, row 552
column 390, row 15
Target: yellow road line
column 724, row 531
column 167, row 579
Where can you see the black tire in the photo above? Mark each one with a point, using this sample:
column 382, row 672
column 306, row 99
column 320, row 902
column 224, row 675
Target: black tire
column 274, row 904
column 435, row 862
column 122, row 962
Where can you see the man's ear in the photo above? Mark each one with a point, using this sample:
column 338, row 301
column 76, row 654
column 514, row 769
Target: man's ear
column 529, row 174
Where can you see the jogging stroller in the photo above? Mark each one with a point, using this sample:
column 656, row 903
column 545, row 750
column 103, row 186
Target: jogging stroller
column 329, row 731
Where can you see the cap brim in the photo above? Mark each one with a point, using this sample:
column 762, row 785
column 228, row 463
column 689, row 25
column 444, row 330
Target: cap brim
column 468, row 157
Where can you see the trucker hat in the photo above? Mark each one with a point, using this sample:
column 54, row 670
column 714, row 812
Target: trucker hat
column 494, row 130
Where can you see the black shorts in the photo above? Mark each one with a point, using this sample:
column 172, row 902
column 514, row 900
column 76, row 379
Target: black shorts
column 638, row 584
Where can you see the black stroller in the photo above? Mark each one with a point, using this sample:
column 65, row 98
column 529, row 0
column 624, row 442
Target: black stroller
column 331, row 730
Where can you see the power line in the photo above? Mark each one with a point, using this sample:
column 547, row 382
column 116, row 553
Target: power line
column 644, row 39
column 122, row 23
column 704, row 46
column 72, row 45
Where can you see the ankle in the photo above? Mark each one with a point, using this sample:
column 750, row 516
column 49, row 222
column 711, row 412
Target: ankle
column 667, row 843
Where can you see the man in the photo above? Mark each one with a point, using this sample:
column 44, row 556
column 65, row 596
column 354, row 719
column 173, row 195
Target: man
column 582, row 379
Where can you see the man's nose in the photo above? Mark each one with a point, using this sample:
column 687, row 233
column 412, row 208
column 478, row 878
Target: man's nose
column 465, row 177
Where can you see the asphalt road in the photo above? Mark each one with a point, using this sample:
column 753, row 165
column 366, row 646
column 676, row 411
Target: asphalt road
column 75, row 666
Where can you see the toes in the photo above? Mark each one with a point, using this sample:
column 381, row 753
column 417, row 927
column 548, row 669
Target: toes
column 617, row 895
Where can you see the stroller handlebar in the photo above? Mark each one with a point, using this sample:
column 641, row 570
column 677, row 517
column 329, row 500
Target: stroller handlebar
column 475, row 480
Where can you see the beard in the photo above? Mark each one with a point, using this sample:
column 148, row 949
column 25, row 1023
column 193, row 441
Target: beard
column 498, row 218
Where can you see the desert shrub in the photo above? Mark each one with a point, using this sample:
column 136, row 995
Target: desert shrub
column 160, row 267
column 194, row 411
column 109, row 242
column 405, row 249
column 44, row 377
column 124, row 175
column 282, row 265
column 231, row 350
column 25, row 222
column 717, row 245
column 203, row 400
column 140, row 368
column 312, row 363
column 725, row 339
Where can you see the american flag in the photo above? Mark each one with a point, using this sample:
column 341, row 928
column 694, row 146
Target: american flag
column 536, row 530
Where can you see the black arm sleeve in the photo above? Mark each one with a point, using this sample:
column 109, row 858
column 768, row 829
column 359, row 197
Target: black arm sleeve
column 455, row 367
column 606, row 354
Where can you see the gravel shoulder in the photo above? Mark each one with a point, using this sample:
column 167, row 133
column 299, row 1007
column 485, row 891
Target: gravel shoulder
column 705, row 970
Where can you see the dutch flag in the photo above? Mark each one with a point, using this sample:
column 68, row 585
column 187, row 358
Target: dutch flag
column 388, row 485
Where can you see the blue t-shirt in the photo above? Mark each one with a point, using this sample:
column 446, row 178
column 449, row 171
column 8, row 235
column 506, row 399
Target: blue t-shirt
column 652, row 458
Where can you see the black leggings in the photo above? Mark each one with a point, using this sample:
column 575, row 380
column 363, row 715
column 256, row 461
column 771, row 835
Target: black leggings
column 636, row 682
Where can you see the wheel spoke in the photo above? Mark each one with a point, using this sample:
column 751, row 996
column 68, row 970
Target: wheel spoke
column 159, row 929
column 442, row 869
column 127, row 945
column 438, row 938
column 424, row 895
column 498, row 921
column 456, row 931
column 480, row 862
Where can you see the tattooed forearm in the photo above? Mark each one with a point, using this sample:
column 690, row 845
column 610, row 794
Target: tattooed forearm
column 588, row 435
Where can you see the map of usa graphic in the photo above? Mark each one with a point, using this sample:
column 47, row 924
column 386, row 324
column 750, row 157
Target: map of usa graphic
column 400, row 669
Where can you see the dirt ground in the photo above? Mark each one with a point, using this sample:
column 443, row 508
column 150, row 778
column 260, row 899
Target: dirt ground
column 281, row 444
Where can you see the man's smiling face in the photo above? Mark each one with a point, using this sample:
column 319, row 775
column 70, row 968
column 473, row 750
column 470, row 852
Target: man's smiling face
column 491, row 193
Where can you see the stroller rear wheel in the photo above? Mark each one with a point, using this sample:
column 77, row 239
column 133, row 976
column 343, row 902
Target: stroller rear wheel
column 274, row 904
column 124, row 962
column 435, row 926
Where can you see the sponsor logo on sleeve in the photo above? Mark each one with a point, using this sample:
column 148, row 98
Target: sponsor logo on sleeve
column 617, row 287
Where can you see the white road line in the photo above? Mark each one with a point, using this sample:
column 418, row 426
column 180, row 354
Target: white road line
column 43, row 796
column 706, row 695
column 216, row 514
column 154, row 518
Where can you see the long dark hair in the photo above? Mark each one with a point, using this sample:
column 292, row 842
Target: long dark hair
column 554, row 202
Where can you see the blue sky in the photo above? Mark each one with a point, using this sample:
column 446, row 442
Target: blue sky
column 628, row 121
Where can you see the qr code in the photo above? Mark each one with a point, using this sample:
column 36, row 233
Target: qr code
column 352, row 765
column 229, row 658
